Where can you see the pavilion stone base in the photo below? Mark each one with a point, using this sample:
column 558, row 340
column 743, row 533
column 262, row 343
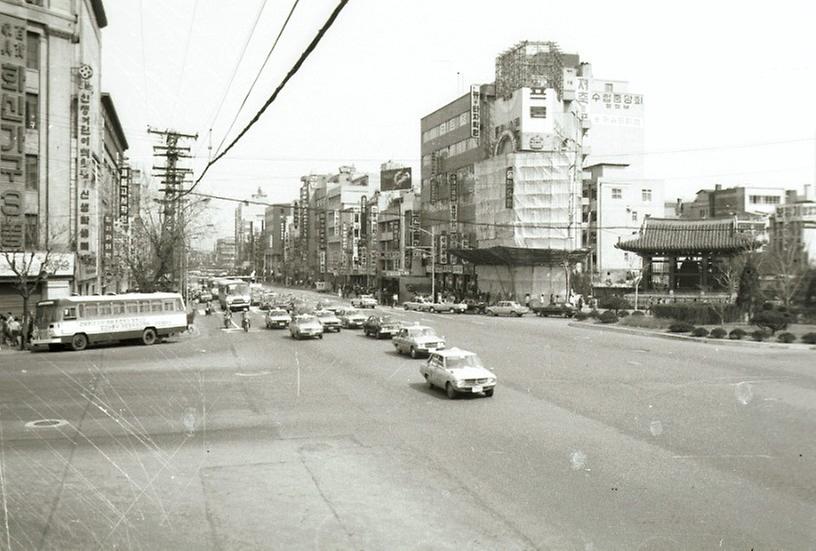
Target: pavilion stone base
column 514, row 282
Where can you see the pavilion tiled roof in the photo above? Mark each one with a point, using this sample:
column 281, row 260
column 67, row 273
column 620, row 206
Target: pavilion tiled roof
column 689, row 237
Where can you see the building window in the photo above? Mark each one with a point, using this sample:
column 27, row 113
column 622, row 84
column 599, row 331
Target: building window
column 608, row 87
column 463, row 119
column 32, row 231
column 538, row 112
column 33, row 51
column 617, row 193
column 32, row 173
column 634, row 216
column 646, row 195
column 764, row 199
column 32, row 111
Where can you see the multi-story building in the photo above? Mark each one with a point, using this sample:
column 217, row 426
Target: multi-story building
column 275, row 227
column 225, row 253
column 509, row 187
column 53, row 133
column 114, row 200
column 793, row 229
column 615, row 206
column 250, row 219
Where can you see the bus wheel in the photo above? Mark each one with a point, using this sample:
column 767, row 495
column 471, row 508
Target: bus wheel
column 79, row 342
column 149, row 337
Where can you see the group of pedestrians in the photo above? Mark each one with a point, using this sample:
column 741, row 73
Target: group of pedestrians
column 11, row 329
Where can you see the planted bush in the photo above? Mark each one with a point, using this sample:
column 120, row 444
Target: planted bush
column 581, row 316
column 623, row 313
column 808, row 338
column 614, row 303
column 772, row 320
column 594, row 314
column 700, row 313
column 759, row 335
column 608, row 317
column 645, row 322
column 737, row 334
column 699, row 332
column 638, row 313
column 680, row 327
column 786, row 337
column 718, row 333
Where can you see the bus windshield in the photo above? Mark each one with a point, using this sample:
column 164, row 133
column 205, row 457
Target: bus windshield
column 238, row 289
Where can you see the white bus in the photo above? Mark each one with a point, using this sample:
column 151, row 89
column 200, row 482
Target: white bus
column 82, row 320
column 234, row 294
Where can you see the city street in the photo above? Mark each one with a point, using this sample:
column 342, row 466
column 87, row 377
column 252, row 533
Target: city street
column 593, row 440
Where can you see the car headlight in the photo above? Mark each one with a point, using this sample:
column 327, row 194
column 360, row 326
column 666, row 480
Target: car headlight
column 491, row 380
column 458, row 382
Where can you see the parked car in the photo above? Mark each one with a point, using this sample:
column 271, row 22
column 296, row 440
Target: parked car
column 305, row 326
column 350, row 318
column 417, row 340
column 447, row 306
column 416, row 304
column 277, row 318
column 364, row 301
column 205, row 296
column 328, row 320
column 475, row 306
column 379, row 326
column 507, row 308
column 458, row 371
column 564, row 309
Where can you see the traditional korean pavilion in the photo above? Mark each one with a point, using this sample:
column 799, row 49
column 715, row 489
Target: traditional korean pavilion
column 684, row 258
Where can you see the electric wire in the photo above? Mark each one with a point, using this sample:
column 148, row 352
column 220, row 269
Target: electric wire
column 217, row 111
column 295, row 68
column 184, row 58
column 257, row 76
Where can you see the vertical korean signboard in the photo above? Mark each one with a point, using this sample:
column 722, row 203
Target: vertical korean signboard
column 453, row 191
column 304, row 212
column 322, row 240
column 475, row 111
column 85, row 171
column 12, row 128
column 508, row 188
column 125, row 179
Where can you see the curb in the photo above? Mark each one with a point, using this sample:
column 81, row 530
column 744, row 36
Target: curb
column 700, row 340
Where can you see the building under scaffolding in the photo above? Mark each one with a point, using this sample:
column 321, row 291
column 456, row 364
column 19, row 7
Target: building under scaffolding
column 532, row 65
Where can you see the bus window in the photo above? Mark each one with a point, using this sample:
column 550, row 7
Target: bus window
column 118, row 308
column 91, row 311
column 132, row 307
column 169, row 306
column 69, row 313
column 144, row 306
column 155, row 306
column 179, row 307
column 104, row 309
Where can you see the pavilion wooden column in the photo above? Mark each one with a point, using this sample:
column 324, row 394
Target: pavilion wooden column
column 646, row 280
column 704, row 261
column 672, row 273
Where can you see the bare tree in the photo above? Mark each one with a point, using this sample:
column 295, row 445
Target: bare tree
column 30, row 271
column 787, row 261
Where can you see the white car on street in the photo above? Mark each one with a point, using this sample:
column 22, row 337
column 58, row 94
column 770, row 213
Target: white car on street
column 458, row 371
column 350, row 318
column 417, row 340
column 507, row 308
column 446, row 306
column 364, row 301
column 418, row 303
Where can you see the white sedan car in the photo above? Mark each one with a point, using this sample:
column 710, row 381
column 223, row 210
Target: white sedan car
column 364, row 301
column 507, row 308
column 458, row 371
column 418, row 304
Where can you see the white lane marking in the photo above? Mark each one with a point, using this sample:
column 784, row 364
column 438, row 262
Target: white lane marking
column 255, row 374
column 726, row 456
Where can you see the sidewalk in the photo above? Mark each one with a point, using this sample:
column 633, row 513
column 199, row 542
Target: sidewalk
column 701, row 340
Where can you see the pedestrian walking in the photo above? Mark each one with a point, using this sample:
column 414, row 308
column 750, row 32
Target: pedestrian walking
column 394, row 300
column 527, row 300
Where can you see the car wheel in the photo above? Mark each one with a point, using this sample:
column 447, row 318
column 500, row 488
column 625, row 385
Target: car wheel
column 413, row 353
column 149, row 337
column 320, row 336
column 518, row 314
column 405, row 306
column 79, row 342
column 489, row 393
column 450, row 391
column 378, row 335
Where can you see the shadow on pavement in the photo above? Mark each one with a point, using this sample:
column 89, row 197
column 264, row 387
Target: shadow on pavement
column 439, row 393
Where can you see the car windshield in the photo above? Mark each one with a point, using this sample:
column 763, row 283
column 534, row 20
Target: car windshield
column 386, row 319
column 306, row 319
column 324, row 314
column 352, row 312
column 422, row 332
column 459, row 362
column 278, row 313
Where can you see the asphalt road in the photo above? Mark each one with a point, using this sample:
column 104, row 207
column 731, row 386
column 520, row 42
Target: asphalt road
column 225, row 440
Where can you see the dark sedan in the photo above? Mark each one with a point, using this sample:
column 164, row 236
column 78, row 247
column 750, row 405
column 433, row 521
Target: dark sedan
column 380, row 326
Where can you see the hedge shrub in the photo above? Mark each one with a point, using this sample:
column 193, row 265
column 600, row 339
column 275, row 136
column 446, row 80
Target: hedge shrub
column 808, row 338
column 608, row 317
column 759, row 335
column 718, row 333
column 638, row 313
column 699, row 332
column 700, row 313
column 594, row 314
column 581, row 316
column 623, row 313
column 772, row 320
column 737, row 334
column 680, row 327
column 614, row 303
column 786, row 337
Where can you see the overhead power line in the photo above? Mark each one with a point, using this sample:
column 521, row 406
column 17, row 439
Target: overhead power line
column 238, row 63
column 257, row 76
column 295, row 68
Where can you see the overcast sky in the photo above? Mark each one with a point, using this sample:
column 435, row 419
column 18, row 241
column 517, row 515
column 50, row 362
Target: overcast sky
column 719, row 80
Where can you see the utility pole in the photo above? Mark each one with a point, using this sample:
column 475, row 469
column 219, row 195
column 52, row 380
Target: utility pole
column 173, row 177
